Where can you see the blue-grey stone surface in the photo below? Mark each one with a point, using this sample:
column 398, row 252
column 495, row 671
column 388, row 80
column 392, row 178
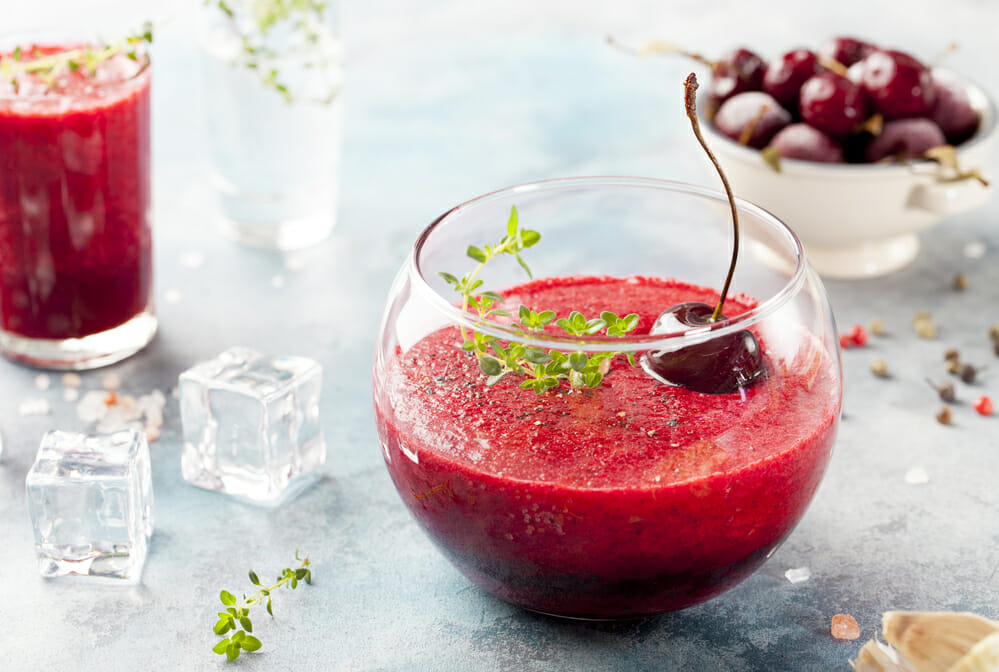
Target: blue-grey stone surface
column 444, row 101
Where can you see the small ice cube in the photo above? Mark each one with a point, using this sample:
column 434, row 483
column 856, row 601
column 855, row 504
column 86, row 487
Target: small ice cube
column 36, row 406
column 43, row 382
column 798, row 574
column 251, row 423
column 917, row 476
column 91, row 504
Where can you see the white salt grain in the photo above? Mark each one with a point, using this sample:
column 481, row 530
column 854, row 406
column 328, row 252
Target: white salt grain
column 93, row 406
column 172, row 296
column 192, row 259
column 112, row 381
column 34, row 407
column 974, row 250
column 72, row 380
column 70, row 394
column 294, row 264
column 798, row 574
column 43, row 382
column 917, row 476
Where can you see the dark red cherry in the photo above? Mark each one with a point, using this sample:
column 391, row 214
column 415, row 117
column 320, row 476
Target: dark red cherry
column 904, row 139
column 783, row 78
column 737, row 71
column 833, row 104
column 801, row 141
column 952, row 109
column 753, row 110
column 897, row 84
column 718, row 366
column 846, row 50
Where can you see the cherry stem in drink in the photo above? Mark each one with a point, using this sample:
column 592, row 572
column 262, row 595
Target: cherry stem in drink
column 690, row 102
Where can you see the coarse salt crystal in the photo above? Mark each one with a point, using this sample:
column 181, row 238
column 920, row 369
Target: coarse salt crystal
column 42, row 381
column 70, row 394
column 844, row 626
column 72, row 379
column 172, row 296
column 798, row 574
column 975, row 250
column 917, row 476
column 112, row 381
column 294, row 264
column 192, row 259
column 34, row 407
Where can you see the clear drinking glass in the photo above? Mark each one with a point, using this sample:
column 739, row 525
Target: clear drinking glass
column 272, row 73
column 634, row 497
column 75, row 238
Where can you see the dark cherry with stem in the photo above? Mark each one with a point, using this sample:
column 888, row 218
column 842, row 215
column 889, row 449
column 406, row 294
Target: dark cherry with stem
column 721, row 364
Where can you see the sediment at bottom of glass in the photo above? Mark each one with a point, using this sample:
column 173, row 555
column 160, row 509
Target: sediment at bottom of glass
column 87, row 352
column 120, row 563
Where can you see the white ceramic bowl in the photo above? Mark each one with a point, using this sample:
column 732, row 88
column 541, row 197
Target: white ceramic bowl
column 861, row 220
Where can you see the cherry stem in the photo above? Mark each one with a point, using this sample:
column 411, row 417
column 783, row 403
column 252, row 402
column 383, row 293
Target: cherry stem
column 657, row 47
column 690, row 102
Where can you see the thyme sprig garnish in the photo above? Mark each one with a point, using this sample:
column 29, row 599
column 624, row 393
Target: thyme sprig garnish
column 237, row 613
column 88, row 58
column 542, row 369
column 253, row 21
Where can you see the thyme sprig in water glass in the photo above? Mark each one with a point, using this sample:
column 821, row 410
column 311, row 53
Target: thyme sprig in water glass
column 236, row 616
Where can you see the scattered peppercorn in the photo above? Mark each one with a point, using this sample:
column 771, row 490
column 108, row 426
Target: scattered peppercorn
column 858, row 335
column 960, row 282
column 994, row 332
column 944, row 415
column 879, row 368
column 954, row 366
column 983, row 405
column 995, row 346
column 877, row 327
column 951, row 355
column 968, row 373
column 925, row 328
column 945, row 390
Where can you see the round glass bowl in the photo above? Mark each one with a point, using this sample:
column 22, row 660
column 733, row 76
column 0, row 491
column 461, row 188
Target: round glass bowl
column 862, row 220
column 634, row 497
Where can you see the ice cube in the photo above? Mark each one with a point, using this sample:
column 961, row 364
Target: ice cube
column 91, row 504
column 251, row 423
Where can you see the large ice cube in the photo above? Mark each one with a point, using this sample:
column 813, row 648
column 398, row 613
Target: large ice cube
column 251, row 423
column 91, row 504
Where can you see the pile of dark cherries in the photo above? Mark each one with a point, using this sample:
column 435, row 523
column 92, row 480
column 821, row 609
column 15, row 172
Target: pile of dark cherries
column 802, row 107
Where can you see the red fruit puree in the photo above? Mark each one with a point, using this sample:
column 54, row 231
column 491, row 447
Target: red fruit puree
column 75, row 241
column 631, row 499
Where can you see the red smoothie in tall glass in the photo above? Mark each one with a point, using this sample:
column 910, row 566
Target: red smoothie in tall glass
column 75, row 240
column 630, row 499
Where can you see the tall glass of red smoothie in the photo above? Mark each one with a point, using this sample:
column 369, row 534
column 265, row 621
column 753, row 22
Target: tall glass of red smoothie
column 618, row 495
column 75, row 240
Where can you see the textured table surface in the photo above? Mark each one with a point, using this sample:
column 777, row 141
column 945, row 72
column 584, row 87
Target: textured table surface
column 445, row 101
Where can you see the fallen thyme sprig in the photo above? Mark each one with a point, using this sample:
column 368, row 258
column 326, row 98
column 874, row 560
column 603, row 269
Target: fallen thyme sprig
column 237, row 614
column 542, row 369
column 88, row 58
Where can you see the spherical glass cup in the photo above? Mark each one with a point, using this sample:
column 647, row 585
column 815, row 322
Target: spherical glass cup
column 637, row 497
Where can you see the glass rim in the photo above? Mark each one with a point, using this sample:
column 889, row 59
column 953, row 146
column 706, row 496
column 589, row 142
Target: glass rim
column 59, row 39
column 670, row 341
